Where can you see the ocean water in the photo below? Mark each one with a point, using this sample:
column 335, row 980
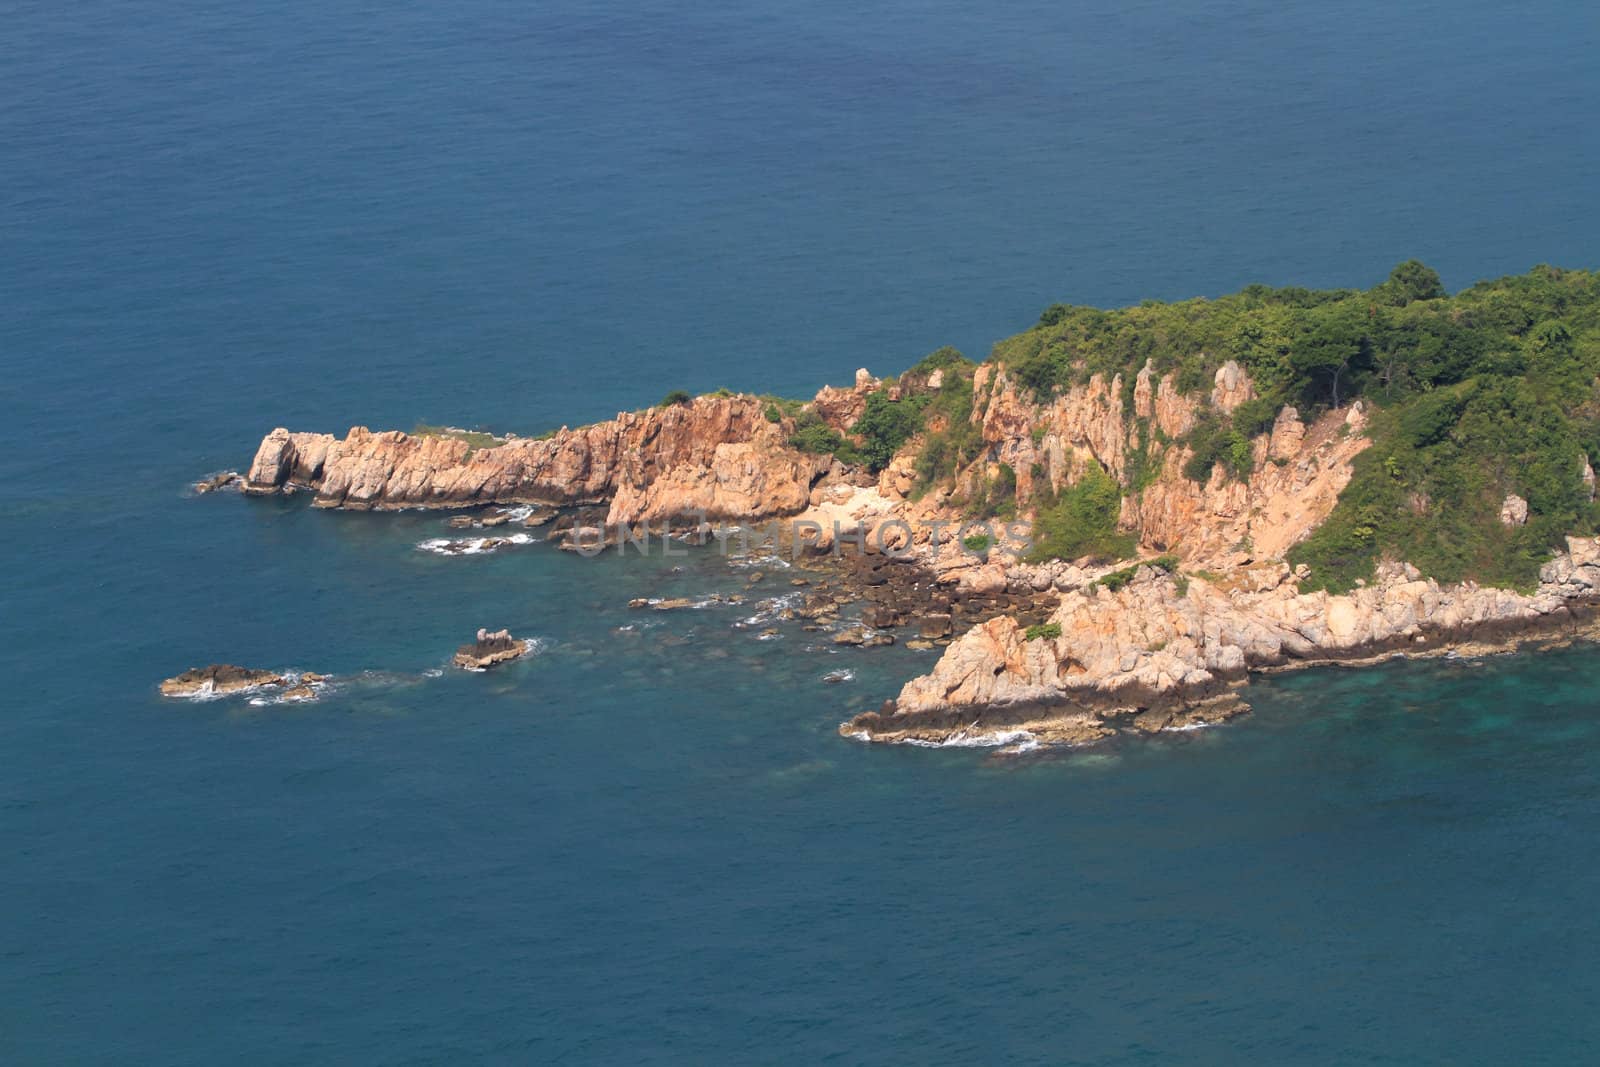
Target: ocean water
column 647, row 843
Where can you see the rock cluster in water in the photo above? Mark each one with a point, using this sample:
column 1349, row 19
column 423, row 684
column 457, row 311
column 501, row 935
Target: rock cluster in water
column 224, row 679
column 490, row 650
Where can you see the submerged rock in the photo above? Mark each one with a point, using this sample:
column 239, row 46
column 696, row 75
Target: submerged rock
column 221, row 480
column 490, row 650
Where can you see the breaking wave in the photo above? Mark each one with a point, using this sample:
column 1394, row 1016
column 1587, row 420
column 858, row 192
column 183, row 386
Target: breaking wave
column 472, row 546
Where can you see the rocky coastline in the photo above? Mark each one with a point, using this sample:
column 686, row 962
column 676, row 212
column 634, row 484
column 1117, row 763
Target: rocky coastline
column 1062, row 651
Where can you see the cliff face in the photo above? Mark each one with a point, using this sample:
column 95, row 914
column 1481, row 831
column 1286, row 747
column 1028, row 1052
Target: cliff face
column 717, row 454
column 1296, row 475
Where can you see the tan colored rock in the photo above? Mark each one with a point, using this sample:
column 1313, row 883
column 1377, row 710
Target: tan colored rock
column 1231, row 387
column 1148, row 645
column 286, row 458
column 626, row 456
column 490, row 650
column 1514, row 511
column 218, row 680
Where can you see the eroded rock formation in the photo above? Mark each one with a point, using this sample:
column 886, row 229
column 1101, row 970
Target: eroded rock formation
column 653, row 462
column 490, row 650
column 219, row 679
column 1160, row 645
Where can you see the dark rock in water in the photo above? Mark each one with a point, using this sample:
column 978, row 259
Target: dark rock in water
column 539, row 518
column 219, row 678
column 861, row 636
column 497, row 519
column 489, row 650
column 881, row 616
column 222, row 480
column 932, row 626
column 817, row 605
column 853, row 636
column 461, row 522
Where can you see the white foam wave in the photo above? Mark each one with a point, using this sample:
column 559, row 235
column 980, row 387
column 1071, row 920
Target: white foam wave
column 969, row 739
column 472, row 546
column 845, row 675
column 770, row 610
column 746, row 563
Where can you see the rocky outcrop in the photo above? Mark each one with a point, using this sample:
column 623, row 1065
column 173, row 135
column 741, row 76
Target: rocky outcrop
column 1161, row 647
column 219, row 679
column 221, row 480
column 655, row 461
column 490, row 650
column 840, row 408
column 739, row 481
column 1231, row 387
column 1296, row 477
column 289, row 459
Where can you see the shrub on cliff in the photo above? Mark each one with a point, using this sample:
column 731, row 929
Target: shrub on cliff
column 885, row 425
column 939, row 359
column 813, row 435
column 675, row 398
column 952, row 441
column 1082, row 521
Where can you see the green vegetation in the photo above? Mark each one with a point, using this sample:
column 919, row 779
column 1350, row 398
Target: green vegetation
column 977, row 542
column 887, row 424
column 1217, row 441
column 1492, row 391
column 475, row 439
column 778, row 406
column 1081, row 521
column 674, row 398
column 813, row 435
column 952, row 441
column 1048, row 630
column 1117, row 579
column 993, row 498
column 940, row 359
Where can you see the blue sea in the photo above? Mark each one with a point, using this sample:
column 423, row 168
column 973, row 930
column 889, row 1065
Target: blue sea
column 647, row 843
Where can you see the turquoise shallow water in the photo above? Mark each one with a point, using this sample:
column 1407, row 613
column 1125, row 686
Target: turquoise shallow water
column 650, row 845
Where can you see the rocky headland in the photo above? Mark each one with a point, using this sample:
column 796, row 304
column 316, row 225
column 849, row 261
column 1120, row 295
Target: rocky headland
column 1066, row 615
